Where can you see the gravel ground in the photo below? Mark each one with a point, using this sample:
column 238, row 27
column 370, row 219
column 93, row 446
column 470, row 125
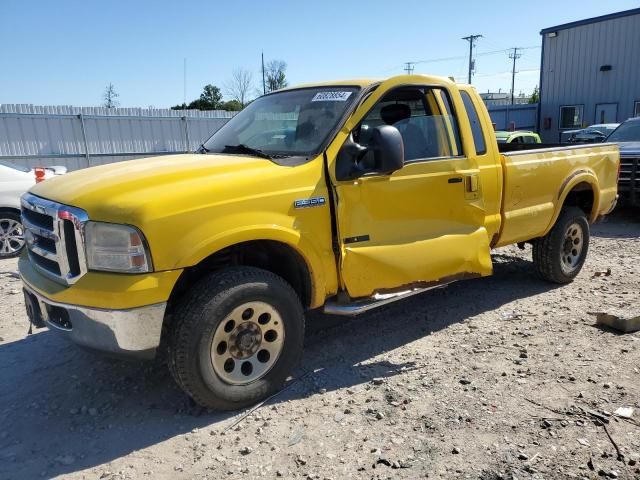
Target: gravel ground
column 487, row 379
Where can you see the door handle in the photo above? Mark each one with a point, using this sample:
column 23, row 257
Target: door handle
column 455, row 180
column 471, row 183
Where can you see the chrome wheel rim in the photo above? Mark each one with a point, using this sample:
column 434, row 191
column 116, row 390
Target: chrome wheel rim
column 247, row 343
column 11, row 236
column 571, row 248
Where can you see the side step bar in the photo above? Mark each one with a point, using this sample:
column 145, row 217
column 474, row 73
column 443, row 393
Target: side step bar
column 378, row 300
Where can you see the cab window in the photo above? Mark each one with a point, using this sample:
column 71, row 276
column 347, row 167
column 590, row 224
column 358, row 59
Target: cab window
column 423, row 115
column 476, row 127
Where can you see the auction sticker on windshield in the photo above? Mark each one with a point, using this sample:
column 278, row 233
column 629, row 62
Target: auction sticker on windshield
column 331, row 96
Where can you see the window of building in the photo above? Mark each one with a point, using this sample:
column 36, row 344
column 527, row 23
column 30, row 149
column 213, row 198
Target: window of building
column 636, row 110
column 476, row 127
column 571, row 116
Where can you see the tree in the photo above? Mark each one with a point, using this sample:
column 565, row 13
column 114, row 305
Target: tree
column 535, row 96
column 110, row 96
column 240, row 85
column 275, row 75
column 210, row 99
column 231, row 106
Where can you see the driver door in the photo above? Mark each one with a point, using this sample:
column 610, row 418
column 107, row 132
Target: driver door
column 425, row 223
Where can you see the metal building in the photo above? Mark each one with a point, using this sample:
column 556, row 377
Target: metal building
column 590, row 73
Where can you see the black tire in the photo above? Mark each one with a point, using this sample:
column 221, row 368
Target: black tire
column 551, row 253
column 196, row 321
column 6, row 247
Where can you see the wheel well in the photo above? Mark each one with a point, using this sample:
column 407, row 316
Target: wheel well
column 581, row 196
column 11, row 210
column 275, row 257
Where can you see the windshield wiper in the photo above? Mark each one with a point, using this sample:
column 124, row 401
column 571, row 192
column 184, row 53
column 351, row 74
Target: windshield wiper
column 202, row 149
column 242, row 148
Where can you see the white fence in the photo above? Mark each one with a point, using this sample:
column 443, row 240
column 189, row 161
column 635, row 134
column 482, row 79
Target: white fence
column 80, row 137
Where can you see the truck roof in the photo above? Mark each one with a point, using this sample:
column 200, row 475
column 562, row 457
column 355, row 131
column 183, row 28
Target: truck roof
column 359, row 82
column 362, row 82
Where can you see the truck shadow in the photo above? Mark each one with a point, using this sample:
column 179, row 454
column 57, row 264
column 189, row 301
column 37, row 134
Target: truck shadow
column 623, row 223
column 63, row 410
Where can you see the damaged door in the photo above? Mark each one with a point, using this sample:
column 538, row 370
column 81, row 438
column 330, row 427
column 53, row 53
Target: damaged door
column 424, row 223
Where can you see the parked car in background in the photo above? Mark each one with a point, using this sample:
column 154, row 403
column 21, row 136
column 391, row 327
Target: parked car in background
column 519, row 136
column 627, row 136
column 14, row 181
column 592, row 134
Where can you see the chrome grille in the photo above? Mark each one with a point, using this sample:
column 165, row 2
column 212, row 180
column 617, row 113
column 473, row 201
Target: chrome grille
column 630, row 171
column 55, row 238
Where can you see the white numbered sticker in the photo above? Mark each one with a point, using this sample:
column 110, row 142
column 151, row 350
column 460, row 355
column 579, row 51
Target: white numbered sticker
column 331, row 96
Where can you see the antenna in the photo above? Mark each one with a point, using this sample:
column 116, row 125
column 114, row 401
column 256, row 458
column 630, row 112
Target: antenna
column 184, row 80
column 264, row 85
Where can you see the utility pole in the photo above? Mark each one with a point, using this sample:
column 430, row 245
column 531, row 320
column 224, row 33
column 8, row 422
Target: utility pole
column 264, row 85
column 472, row 41
column 408, row 67
column 514, row 55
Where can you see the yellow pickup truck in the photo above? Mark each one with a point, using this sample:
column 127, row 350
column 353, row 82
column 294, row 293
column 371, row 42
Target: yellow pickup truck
column 342, row 196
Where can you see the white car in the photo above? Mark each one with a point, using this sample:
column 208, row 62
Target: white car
column 14, row 181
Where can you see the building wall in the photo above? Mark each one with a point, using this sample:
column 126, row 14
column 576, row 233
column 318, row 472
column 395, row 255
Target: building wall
column 516, row 117
column 571, row 73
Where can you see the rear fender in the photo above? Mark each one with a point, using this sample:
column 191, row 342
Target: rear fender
column 573, row 180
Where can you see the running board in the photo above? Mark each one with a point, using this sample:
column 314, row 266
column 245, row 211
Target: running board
column 378, row 300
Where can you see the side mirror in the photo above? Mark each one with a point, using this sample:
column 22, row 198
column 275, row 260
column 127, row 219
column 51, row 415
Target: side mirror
column 385, row 155
column 388, row 149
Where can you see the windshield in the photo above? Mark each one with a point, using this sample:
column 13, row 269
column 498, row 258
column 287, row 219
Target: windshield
column 627, row 132
column 288, row 123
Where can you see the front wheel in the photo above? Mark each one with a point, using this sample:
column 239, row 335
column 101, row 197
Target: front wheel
column 11, row 234
column 560, row 255
column 236, row 337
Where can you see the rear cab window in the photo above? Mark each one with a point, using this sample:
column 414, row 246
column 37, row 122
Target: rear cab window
column 476, row 126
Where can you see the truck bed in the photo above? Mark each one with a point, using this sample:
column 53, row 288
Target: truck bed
column 536, row 181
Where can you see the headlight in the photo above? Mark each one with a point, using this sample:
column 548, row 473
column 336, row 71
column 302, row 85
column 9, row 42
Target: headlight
column 116, row 248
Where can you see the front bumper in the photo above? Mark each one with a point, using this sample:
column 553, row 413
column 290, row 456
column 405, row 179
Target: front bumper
column 133, row 332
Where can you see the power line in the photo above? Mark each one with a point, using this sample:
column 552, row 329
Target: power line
column 409, row 67
column 458, row 57
column 472, row 40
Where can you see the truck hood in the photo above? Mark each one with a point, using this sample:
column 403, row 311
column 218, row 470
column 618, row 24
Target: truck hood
column 629, row 148
column 123, row 191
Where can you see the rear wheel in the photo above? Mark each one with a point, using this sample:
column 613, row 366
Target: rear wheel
column 236, row 337
column 11, row 234
column 560, row 255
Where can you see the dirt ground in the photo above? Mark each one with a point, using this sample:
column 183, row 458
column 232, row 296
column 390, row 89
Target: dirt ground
column 502, row 377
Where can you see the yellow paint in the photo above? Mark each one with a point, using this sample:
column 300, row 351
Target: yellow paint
column 104, row 290
column 191, row 206
column 421, row 227
column 537, row 183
